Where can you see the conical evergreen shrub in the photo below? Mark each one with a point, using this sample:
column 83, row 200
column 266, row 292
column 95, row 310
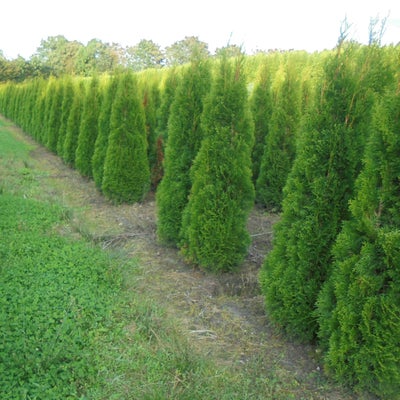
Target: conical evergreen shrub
column 214, row 222
column 55, row 116
column 73, row 124
column 149, row 84
column 261, row 107
column 100, row 148
column 67, row 100
column 184, row 138
column 280, row 143
column 49, row 96
column 316, row 197
column 167, row 94
column 38, row 115
column 126, row 170
column 89, row 127
column 359, row 307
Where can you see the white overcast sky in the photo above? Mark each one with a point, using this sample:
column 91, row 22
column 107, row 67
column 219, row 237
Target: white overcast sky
column 255, row 24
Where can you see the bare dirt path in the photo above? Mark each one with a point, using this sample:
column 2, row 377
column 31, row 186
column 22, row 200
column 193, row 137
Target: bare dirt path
column 223, row 315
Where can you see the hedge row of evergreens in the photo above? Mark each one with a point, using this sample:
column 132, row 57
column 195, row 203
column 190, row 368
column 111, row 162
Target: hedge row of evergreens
column 314, row 136
column 333, row 275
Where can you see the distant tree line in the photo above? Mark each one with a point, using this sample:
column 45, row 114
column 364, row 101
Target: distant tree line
column 58, row 56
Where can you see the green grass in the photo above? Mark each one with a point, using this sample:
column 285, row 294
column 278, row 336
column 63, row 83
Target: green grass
column 72, row 324
column 71, row 331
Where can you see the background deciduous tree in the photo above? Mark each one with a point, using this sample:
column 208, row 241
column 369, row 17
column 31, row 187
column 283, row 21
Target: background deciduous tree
column 146, row 54
column 183, row 51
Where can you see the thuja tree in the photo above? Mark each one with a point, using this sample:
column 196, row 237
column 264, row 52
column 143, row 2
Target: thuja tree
column 280, row 143
column 88, row 129
column 54, row 123
column 222, row 194
column 184, row 138
column 73, row 124
column 167, row 94
column 126, row 169
column 49, row 96
column 316, row 197
column 261, row 107
column 359, row 308
column 67, row 100
column 38, row 114
column 101, row 144
column 149, row 84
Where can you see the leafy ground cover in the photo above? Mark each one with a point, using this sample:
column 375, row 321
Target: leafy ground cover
column 129, row 322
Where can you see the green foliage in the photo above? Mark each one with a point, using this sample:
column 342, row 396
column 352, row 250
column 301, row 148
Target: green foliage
column 186, row 50
column 359, row 307
column 149, row 82
column 67, row 101
column 184, row 139
column 126, row 170
column 101, row 144
column 214, row 222
column 261, row 107
column 97, row 57
column 280, row 142
column 146, row 54
column 73, row 124
column 88, row 129
column 55, row 115
column 168, row 90
column 38, row 114
column 316, row 197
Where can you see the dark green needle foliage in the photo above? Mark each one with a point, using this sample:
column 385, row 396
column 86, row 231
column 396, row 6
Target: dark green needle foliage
column 184, row 138
column 359, row 307
column 214, row 222
column 89, row 128
column 126, row 170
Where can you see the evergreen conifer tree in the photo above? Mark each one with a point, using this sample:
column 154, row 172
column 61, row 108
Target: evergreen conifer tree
column 280, row 143
column 30, row 100
column 359, row 307
column 126, row 170
column 261, row 107
column 38, row 114
column 49, row 96
column 184, row 138
column 151, row 103
column 100, row 148
column 55, row 116
column 167, row 94
column 316, row 197
column 67, row 100
column 73, row 124
column 222, row 194
column 89, row 128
